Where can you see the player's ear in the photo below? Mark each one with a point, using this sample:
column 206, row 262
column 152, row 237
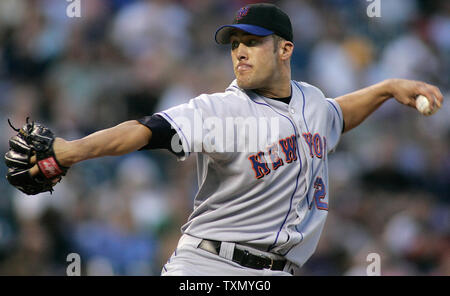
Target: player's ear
column 286, row 49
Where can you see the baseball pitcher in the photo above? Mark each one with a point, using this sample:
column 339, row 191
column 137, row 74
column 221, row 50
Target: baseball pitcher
column 262, row 150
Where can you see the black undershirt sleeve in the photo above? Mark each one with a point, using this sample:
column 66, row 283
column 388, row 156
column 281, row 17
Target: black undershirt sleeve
column 162, row 134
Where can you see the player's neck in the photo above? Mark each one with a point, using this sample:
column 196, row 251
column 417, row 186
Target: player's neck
column 282, row 91
column 279, row 85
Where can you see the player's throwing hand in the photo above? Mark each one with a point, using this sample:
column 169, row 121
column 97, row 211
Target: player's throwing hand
column 406, row 92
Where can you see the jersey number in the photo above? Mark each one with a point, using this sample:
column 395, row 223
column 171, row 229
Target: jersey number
column 319, row 194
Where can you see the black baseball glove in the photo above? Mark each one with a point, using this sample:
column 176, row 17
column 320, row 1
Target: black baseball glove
column 33, row 139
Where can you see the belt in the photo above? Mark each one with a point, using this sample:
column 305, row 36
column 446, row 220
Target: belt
column 245, row 257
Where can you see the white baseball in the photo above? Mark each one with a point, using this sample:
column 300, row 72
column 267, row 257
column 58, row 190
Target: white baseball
column 423, row 105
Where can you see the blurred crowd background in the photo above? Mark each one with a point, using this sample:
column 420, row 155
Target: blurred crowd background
column 124, row 59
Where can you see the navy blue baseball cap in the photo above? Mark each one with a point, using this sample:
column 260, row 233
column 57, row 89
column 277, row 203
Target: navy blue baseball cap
column 260, row 19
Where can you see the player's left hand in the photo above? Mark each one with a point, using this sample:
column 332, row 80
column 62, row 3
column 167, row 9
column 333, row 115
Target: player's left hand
column 32, row 148
column 406, row 91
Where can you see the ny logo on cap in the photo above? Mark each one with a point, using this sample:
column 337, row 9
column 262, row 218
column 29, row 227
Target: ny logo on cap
column 242, row 12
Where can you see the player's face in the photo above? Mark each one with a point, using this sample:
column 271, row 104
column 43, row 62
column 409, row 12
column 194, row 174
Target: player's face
column 254, row 60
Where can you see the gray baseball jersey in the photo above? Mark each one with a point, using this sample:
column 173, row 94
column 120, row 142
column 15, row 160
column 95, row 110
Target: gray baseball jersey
column 262, row 166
